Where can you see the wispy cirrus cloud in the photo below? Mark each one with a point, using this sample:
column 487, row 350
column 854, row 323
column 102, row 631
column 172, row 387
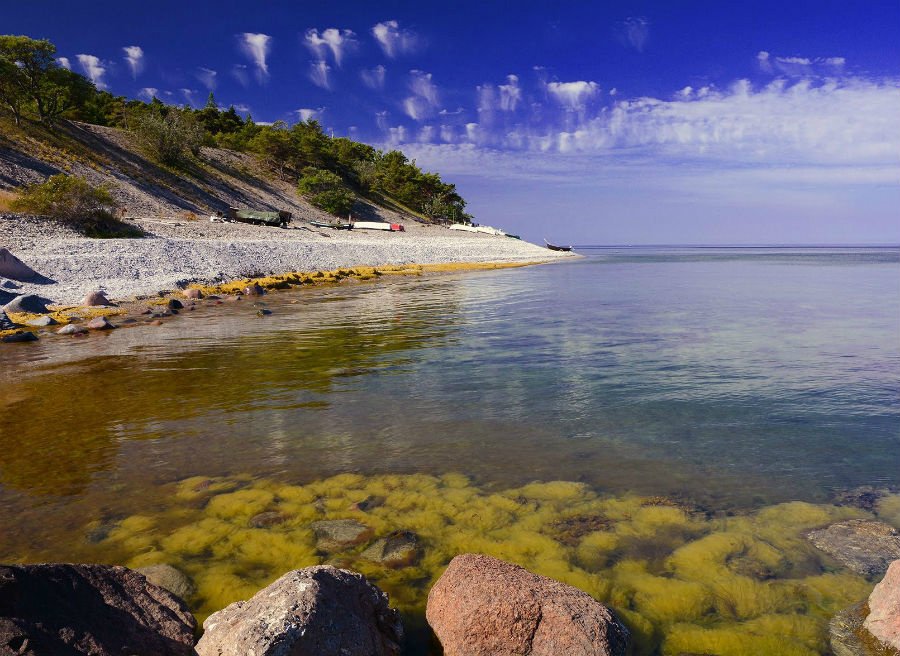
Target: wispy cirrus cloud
column 190, row 96
column 795, row 66
column 134, row 57
column 307, row 114
column 64, row 62
column 207, row 76
column 94, row 69
column 633, row 32
column 256, row 48
column 333, row 41
column 319, row 74
column 394, row 40
column 425, row 98
column 148, row 93
column 374, row 77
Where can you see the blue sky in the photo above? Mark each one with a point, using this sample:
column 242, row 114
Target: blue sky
column 585, row 122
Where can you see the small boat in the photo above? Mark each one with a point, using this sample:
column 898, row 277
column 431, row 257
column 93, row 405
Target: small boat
column 557, row 248
column 276, row 219
column 334, row 226
column 378, row 225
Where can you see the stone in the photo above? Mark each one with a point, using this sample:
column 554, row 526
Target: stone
column 263, row 312
column 27, row 303
column 174, row 304
column 5, row 322
column 254, row 290
column 482, row 606
column 337, row 534
column 25, row 336
column 89, row 609
column 883, row 621
column 71, row 329
column 14, row 268
column 99, row 323
column 864, row 546
column 94, row 299
column 399, row 549
column 267, row 519
column 369, row 503
column 171, row 579
column 865, row 497
column 316, row 611
column 6, row 297
column 193, row 294
column 844, row 632
column 42, row 322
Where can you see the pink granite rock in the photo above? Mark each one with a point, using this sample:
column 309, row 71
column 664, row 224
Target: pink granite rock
column 883, row 621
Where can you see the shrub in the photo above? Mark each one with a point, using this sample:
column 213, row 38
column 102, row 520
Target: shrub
column 326, row 191
column 168, row 137
column 74, row 201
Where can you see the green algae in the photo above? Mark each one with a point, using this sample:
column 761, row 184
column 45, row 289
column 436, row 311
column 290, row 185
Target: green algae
column 684, row 581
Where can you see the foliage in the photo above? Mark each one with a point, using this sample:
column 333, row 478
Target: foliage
column 167, row 134
column 326, row 191
column 74, row 201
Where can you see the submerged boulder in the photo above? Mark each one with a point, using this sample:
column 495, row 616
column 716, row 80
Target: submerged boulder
column 89, row 609
column 169, row 578
column 24, row 336
column 864, row 546
column 316, row 611
column 482, row 606
column 883, row 621
column 399, row 549
column 71, row 329
column 337, row 534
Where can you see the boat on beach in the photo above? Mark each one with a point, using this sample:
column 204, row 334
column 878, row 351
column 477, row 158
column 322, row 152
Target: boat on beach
column 553, row 247
column 334, row 226
column 378, row 225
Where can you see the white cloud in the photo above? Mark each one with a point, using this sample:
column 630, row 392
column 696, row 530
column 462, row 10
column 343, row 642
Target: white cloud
column 395, row 41
column 239, row 71
column 381, row 120
column 134, row 56
column 307, row 114
column 573, row 95
column 397, row 135
column 796, row 66
column 256, row 48
column 318, row 73
column 64, row 62
column 633, row 32
column 93, row 69
column 510, row 94
column 337, row 42
column 149, row 93
column 242, row 108
column 487, row 98
column 207, row 77
column 835, row 61
column 416, row 108
column 189, row 96
column 373, row 77
column 425, row 98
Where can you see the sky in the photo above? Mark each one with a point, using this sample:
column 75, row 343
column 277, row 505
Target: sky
column 671, row 122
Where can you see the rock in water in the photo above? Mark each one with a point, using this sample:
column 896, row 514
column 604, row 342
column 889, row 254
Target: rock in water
column 844, row 632
column 42, row 322
column 27, row 303
column 864, row 546
column 174, row 304
column 24, row 336
column 71, row 329
column 94, row 299
column 5, row 322
column 399, row 549
column 883, row 621
column 89, row 609
column 482, row 606
column 173, row 580
column 193, row 294
column 14, row 268
column 337, row 534
column 99, row 323
column 254, row 290
column 317, row 611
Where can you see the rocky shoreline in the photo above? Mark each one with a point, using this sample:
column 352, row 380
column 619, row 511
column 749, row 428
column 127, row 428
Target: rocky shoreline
column 480, row 606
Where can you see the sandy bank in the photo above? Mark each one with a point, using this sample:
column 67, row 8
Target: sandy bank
column 176, row 253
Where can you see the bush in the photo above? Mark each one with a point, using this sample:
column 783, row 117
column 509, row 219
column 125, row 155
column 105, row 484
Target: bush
column 168, row 137
column 326, row 191
column 74, row 201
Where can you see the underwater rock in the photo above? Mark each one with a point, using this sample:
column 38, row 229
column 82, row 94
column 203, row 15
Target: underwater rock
column 41, row 322
column 173, row 580
column 90, row 609
column 316, row 611
column 174, row 304
column 25, row 336
column 267, row 519
column 883, row 621
column 864, row 497
column 863, row 546
column 71, row 329
column 844, row 632
column 94, row 299
column 484, row 606
column 254, row 290
column 337, row 534
column 14, row 268
column 399, row 549
column 369, row 503
column 193, row 294
column 27, row 303
column 99, row 323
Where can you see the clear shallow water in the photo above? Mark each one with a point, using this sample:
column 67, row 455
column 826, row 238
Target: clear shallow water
column 732, row 379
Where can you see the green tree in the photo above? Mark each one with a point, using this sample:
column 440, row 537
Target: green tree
column 64, row 197
column 326, row 191
column 273, row 144
column 169, row 135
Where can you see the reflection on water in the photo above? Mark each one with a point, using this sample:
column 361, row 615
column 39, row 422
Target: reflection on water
column 731, row 380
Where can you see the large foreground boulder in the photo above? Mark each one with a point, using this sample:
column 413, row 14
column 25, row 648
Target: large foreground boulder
column 27, row 303
column 15, row 269
column 867, row 547
column 89, row 609
column 482, row 606
column 883, row 621
column 316, row 611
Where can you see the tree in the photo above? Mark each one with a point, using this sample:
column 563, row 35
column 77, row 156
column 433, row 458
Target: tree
column 326, row 191
column 167, row 135
column 274, row 147
column 64, row 197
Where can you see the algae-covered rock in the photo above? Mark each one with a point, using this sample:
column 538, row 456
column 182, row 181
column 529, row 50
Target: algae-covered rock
column 482, row 606
column 89, row 609
column 844, row 632
column 399, row 549
column 317, row 611
column 883, row 621
column 337, row 534
column 170, row 578
column 863, row 546
column 267, row 519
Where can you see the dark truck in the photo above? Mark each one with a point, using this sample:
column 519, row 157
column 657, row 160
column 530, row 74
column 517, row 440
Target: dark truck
column 275, row 219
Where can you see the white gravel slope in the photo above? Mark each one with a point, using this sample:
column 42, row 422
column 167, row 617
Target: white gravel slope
column 198, row 251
